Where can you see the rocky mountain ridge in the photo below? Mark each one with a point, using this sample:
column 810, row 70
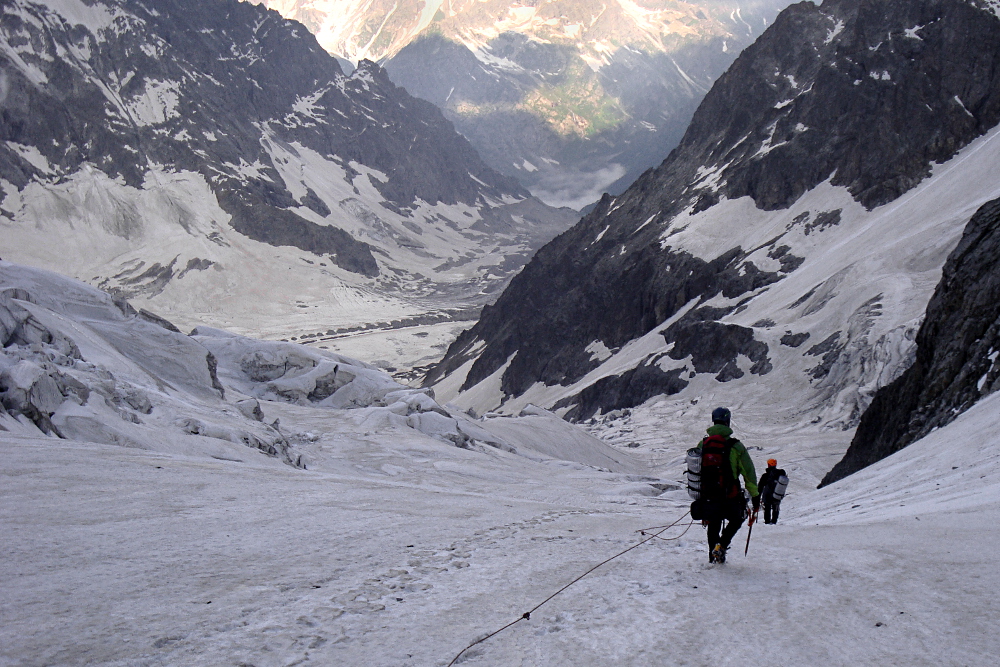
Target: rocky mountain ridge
column 379, row 30
column 796, row 232
column 212, row 162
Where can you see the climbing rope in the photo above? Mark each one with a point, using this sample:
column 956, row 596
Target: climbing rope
column 527, row 615
column 670, row 539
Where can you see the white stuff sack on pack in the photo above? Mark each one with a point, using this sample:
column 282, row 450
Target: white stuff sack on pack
column 779, row 488
column 694, row 473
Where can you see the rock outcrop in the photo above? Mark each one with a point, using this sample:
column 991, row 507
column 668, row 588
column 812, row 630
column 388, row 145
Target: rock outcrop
column 957, row 350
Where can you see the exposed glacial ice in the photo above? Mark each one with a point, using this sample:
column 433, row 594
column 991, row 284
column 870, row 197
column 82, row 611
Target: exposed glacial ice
column 78, row 364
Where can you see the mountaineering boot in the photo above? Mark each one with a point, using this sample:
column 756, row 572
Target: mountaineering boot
column 718, row 554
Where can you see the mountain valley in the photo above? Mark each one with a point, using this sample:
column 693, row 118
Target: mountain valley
column 232, row 264
column 794, row 237
column 571, row 97
column 327, row 205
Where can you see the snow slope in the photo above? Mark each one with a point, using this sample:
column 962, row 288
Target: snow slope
column 158, row 530
column 79, row 364
column 395, row 549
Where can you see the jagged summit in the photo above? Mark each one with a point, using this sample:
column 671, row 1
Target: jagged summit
column 796, row 232
column 379, row 30
column 867, row 95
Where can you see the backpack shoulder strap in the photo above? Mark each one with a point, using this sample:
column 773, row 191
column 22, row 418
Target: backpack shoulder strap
column 730, row 474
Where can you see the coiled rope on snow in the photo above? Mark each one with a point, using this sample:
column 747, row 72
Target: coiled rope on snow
column 647, row 536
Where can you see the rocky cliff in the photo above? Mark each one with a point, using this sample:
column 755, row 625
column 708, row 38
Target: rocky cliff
column 764, row 243
column 957, row 350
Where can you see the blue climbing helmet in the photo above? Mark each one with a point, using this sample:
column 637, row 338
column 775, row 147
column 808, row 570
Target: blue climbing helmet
column 721, row 416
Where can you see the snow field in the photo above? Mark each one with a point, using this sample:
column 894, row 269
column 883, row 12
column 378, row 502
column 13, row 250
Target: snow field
column 396, row 549
column 169, row 541
column 126, row 557
column 181, row 545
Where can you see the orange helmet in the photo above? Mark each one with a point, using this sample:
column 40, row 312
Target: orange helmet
column 771, row 463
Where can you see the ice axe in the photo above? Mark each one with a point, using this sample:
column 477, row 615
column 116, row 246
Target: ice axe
column 750, row 523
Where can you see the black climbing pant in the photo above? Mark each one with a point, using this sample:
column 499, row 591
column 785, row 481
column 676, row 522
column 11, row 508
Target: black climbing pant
column 771, row 511
column 733, row 517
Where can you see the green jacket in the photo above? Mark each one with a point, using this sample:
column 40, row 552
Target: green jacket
column 739, row 458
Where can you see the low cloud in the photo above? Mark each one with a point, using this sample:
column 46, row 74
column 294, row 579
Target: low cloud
column 575, row 189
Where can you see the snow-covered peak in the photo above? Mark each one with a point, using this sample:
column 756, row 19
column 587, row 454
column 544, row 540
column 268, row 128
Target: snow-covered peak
column 377, row 30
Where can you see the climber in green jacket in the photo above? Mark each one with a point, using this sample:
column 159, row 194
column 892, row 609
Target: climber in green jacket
column 724, row 459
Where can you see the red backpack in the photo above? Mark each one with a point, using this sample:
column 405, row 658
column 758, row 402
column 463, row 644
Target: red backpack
column 717, row 479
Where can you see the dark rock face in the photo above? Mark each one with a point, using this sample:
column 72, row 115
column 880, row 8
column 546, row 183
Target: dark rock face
column 205, row 86
column 828, row 350
column 850, row 89
column 713, row 348
column 627, row 390
column 853, row 89
column 957, row 351
column 624, row 302
column 280, row 227
column 794, row 340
